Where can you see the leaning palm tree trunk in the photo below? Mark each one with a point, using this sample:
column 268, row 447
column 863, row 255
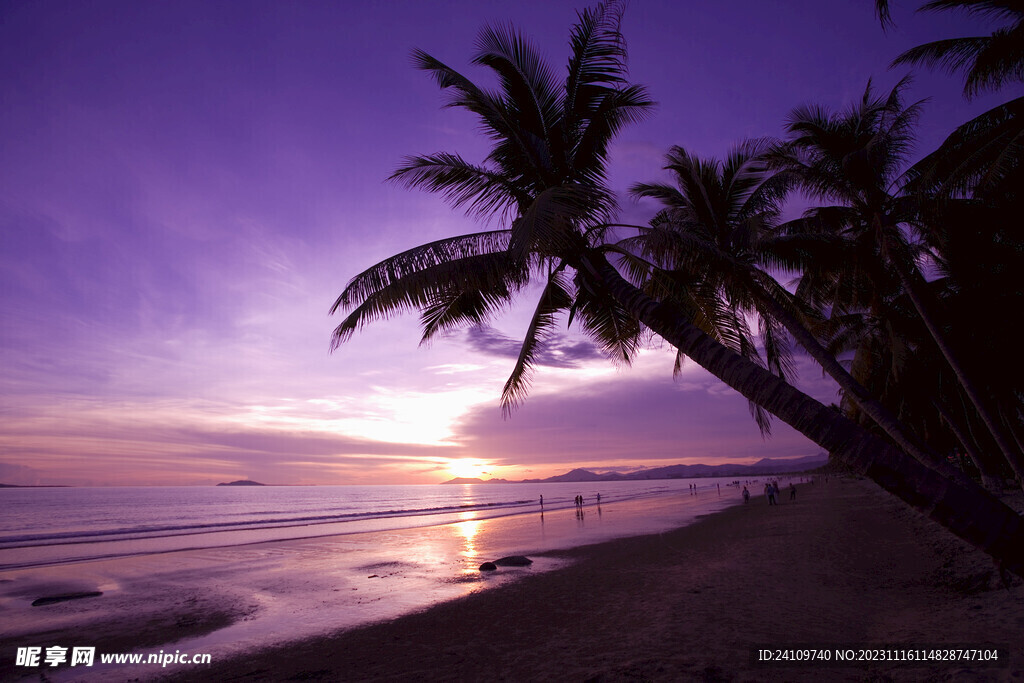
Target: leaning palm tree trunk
column 852, row 389
column 989, row 479
column 1014, row 427
column 912, row 284
column 962, row 507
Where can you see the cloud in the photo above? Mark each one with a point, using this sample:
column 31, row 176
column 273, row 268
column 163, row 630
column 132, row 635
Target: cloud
column 627, row 422
column 100, row 448
column 557, row 351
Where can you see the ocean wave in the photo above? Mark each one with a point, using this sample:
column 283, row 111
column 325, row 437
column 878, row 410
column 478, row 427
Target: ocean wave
column 261, row 522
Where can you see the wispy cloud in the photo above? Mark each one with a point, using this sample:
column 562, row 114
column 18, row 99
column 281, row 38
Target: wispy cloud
column 556, row 351
column 628, row 421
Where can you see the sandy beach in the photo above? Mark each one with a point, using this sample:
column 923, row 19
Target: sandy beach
column 845, row 565
column 232, row 599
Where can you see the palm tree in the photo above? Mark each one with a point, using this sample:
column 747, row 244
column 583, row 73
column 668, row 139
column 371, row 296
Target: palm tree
column 981, row 159
column 546, row 174
column 717, row 223
column 546, row 171
column 855, row 158
column 894, row 361
column 698, row 245
column 989, row 61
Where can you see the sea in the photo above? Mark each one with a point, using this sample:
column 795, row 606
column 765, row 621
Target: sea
column 266, row 565
column 43, row 526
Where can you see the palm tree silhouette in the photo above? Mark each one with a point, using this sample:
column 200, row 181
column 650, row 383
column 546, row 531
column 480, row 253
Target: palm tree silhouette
column 856, row 159
column 545, row 174
column 718, row 225
column 989, row 61
column 980, row 161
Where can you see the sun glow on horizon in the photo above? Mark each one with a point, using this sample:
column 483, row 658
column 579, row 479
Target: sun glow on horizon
column 467, row 468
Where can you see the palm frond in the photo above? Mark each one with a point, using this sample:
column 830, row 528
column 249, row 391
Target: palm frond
column 762, row 417
column 613, row 109
column 482, row 191
column 548, row 226
column 636, row 269
column 953, row 54
column 606, row 321
column 464, row 94
column 461, row 304
column 528, row 86
column 554, row 299
column 666, row 194
column 598, row 55
column 487, row 280
column 976, row 157
column 845, row 332
column 883, row 14
column 777, row 353
column 1011, row 10
column 987, row 62
column 1001, row 62
column 417, row 259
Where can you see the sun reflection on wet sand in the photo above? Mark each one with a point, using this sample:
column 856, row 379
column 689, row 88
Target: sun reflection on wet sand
column 468, row 527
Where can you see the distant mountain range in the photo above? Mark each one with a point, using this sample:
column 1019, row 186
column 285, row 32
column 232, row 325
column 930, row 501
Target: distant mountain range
column 763, row 466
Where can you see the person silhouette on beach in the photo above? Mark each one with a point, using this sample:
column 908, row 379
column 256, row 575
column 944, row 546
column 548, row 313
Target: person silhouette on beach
column 542, row 502
column 769, row 492
column 746, row 495
column 792, row 491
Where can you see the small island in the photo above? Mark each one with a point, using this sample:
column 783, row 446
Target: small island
column 241, row 482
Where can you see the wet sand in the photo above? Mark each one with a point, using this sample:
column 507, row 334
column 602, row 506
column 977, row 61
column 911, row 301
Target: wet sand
column 845, row 565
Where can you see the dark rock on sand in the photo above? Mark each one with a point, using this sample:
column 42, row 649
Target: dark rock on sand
column 514, row 561
column 51, row 599
column 488, row 567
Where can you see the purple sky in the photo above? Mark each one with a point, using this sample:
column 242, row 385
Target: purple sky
column 186, row 187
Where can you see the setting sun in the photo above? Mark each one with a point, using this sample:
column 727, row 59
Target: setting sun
column 467, row 467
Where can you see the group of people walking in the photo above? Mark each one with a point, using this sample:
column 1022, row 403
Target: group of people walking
column 772, row 493
column 577, row 501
